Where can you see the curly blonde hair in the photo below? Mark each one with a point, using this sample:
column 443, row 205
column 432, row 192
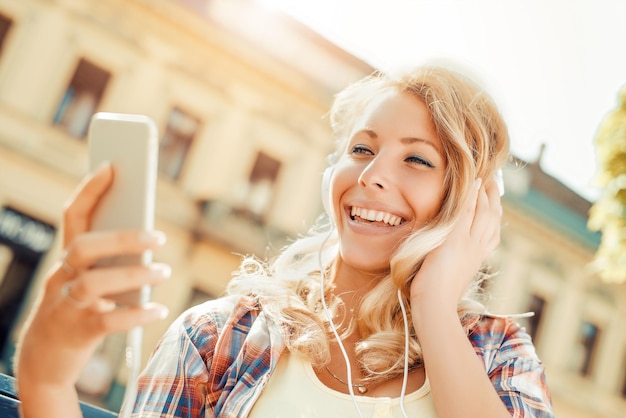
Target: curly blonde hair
column 475, row 143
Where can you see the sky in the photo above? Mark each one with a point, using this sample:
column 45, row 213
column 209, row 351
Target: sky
column 554, row 67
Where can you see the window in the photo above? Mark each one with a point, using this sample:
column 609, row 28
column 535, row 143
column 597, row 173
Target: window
column 179, row 133
column 23, row 242
column 81, row 98
column 587, row 344
column 261, row 183
column 6, row 255
column 537, row 305
column 5, row 25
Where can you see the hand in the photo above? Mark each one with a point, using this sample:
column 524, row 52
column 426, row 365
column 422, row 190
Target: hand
column 72, row 315
column 448, row 270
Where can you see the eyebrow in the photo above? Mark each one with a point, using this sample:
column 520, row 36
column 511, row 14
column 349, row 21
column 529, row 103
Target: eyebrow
column 407, row 140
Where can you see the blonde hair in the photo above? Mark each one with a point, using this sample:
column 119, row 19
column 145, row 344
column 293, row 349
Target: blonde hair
column 475, row 143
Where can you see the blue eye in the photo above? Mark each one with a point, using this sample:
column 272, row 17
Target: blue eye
column 419, row 160
column 361, row 149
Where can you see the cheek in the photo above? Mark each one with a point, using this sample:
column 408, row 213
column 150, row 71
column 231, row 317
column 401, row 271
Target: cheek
column 427, row 202
column 343, row 179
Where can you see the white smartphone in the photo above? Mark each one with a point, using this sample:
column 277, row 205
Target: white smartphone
column 130, row 144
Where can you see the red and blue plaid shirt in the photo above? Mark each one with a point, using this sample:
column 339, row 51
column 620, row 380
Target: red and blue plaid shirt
column 216, row 358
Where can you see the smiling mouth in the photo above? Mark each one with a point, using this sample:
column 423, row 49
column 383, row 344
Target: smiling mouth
column 372, row 216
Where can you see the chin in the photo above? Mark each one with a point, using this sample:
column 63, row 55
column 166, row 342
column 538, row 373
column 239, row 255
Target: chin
column 366, row 265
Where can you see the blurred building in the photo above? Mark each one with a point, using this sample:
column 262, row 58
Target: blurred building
column 239, row 93
column 542, row 265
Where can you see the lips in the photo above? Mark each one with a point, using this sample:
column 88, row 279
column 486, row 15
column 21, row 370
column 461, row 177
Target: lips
column 370, row 215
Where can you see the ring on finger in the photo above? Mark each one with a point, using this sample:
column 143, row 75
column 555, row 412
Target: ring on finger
column 67, row 296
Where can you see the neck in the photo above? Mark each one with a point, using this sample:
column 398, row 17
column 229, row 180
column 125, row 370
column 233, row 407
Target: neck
column 350, row 279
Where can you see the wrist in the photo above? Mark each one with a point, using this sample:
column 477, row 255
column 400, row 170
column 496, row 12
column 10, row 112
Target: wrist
column 437, row 290
column 45, row 369
column 37, row 400
column 434, row 308
column 432, row 297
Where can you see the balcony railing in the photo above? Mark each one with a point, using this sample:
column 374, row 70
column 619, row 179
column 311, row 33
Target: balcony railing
column 10, row 403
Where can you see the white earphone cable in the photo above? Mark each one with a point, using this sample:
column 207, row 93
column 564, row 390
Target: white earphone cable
column 406, row 354
column 333, row 328
column 342, row 348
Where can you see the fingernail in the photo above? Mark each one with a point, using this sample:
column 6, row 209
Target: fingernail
column 156, row 311
column 160, row 271
column 153, row 237
column 162, row 312
column 103, row 165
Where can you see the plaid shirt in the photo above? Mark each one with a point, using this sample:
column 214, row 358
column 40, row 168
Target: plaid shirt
column 216, row 358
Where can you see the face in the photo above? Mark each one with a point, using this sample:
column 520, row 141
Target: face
column 388, row 182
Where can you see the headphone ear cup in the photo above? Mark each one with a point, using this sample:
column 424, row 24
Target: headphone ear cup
column 328, row 174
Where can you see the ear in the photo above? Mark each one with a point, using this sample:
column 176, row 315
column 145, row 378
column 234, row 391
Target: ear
column 328, row 175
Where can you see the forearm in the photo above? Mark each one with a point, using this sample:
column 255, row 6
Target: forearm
column 459, row 383
column 44, row 390
column 39, row 400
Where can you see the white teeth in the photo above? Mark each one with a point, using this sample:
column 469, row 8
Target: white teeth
column 375, row 215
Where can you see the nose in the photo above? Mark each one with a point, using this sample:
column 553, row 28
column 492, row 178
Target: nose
column 375, row 174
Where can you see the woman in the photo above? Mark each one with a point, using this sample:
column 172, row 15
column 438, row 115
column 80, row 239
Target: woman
column 323, row 329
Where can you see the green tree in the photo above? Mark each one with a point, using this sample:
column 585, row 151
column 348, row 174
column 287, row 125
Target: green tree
column 608, row 214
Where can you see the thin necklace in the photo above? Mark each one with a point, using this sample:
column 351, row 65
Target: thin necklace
column 360, row 387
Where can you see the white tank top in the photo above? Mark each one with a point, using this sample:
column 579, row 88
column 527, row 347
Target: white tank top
column 294, row 390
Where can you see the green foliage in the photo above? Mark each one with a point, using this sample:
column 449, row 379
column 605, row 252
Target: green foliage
column 608, row 214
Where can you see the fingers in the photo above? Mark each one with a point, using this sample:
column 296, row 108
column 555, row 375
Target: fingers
column 81, row 284
column 486, row 223
column 466, row 220
column 493, row 193
column 75, row 311
column 124, row 319
column 474, row 236
column 79, row 208
column 92, row 285
column 86, row 249
column 482, row 211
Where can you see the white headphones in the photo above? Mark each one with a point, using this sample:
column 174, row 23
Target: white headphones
column 326, row 202
column 328, row 175
column 499, row 179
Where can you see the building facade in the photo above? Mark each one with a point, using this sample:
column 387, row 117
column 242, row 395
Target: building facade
column 239, row 93
column 543, row 266
column 243, row 138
